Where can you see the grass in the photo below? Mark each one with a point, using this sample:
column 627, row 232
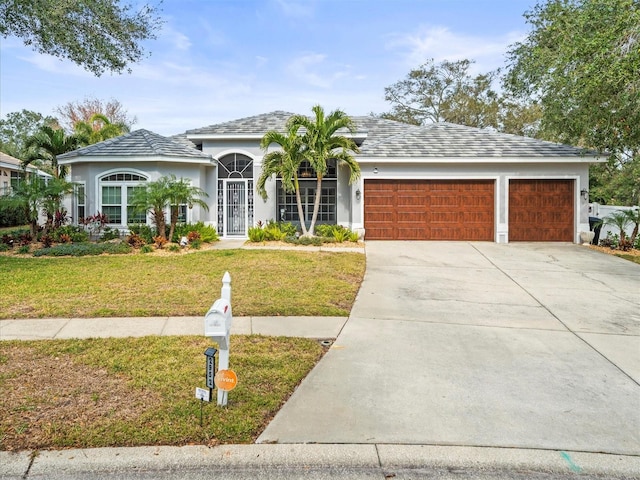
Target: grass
column 141, row 391
column 263, row 283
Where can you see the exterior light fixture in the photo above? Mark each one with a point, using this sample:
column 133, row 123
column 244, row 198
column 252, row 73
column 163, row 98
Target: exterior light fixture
column 375, row 169
column 282, row 212
column 358, row 194
column 585, row 193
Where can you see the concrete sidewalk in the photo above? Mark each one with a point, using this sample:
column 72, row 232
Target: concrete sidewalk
column 53, row 328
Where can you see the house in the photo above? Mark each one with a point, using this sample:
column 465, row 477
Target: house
column 434, row 182
column 11, row 172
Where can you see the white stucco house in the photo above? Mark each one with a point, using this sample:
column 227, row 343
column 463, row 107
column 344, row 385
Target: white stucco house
column 434, row 182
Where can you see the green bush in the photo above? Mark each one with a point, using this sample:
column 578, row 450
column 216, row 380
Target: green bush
column 143, row 230
column 288, row 228
column 12, row 215
column 4, row 247
column 256, row 234
column 109, row 233
column 316, row 241
column 207, row 233
column 174, row 247
column 272, row 232
column 146, row 249
column 76, row 233
column 338, row 232
column 23, row 249
column 83, row 249
column 196, row 244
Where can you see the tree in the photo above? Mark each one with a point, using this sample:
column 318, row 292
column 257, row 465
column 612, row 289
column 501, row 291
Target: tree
column 45, row 146
column 17, row 127
column 634, row 217
column 97, row 129
column 621, row 221
column 581, row 62
column 283, row 163
column 446, row 92
column 181, row 192
column 322, row 143
column 99, row 35
column 76, row 112
column 35, row 194
column 153, row 198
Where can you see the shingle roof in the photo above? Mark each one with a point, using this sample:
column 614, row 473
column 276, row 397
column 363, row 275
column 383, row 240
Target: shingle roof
column 139, row 143
column 390, row 139
column 459, row 141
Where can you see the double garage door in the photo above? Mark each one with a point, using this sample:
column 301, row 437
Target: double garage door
column 539, row 210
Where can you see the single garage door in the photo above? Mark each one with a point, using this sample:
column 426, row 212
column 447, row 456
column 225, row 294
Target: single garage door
column 541, row 211
column 429, row 209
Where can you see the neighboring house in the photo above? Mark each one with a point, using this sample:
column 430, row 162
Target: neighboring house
column 436, row 182
column 11, row 172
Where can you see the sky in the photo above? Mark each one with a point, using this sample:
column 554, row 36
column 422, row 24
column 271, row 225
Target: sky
column 219, row 60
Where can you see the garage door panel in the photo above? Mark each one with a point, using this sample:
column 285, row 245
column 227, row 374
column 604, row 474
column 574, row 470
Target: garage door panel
column 431, row 209
column 541, row 210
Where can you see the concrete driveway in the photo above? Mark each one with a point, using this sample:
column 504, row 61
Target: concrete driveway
column 480, row 344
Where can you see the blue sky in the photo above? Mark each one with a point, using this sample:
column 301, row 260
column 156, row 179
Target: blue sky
column 219, row 60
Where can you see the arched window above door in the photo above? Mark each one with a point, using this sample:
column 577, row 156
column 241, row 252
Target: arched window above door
column 235, row 165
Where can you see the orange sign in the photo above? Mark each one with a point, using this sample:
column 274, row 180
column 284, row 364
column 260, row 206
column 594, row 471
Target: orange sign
column 226, row 380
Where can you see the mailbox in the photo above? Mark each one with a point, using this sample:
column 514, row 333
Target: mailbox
column 217, row 322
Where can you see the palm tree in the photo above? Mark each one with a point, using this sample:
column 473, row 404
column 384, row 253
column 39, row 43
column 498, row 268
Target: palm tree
column 34, row 194
column 46, row 144
column 621, row 221
column 634, row 217
column 153, row 197
column 322, row 143
column 283, row 163
column 181, row 192
column 98, row 129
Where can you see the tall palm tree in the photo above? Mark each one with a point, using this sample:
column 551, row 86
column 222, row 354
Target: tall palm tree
column 181, row 192
column 45, row 146
column 322, row 143
column 153, row 197
column 283, row 163
column 98, row 129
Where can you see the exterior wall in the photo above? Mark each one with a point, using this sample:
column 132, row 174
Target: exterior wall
column 499, row 172
column 200, row 176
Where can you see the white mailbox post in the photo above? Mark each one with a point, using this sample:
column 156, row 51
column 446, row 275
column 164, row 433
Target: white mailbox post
column 217, row 326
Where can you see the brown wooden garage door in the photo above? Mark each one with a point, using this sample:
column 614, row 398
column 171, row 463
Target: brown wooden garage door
column 429, row 209
column 541, row 211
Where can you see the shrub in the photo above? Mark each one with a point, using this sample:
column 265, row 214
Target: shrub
column 4, row 247
column 110, row 233
column 316, row 241
column 24, row 249
column 64, row 238
column 47, row 241
column 25, row 239
column 193, row 235
column 174, row 247
column 83, row 249
column 196, row 244
column 207, row 233
column 288, row 228
column 272, row 232
column 256, row 234
column 12, row 215
column 76, row 234
column 135, row 240
column 143, row 230
column 159, row 242
column 324, row 230
column 146, row 249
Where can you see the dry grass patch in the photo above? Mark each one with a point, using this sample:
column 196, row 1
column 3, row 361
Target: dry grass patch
column 140, row 391
column 632, row 255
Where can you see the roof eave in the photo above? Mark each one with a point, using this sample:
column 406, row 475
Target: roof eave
column 141, row 158
column 549, row 159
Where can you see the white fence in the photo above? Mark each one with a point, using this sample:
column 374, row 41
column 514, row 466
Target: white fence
column 602, row 211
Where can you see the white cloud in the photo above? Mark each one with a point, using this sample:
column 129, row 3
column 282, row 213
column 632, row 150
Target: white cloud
column 440, row 43
column 261, row 61
column 296, row 8
column 312, row 69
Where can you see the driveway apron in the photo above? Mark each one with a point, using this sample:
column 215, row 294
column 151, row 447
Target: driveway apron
column 480, row 344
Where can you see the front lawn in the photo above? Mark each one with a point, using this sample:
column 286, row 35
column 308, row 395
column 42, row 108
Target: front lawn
column 141, row 391
column 263, row 283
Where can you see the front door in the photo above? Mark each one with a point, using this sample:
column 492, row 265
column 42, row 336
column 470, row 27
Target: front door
column 236, row 208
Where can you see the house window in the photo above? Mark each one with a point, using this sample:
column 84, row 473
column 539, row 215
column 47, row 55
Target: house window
column 80, row 202
column 116, row 192
column 16, row 177
column 326, row 212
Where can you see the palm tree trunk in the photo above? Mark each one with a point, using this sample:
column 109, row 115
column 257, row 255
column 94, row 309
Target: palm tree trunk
column 316, row 205
column 303, row 223
column 174, row 221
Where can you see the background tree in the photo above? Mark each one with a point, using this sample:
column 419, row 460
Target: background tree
column 84, row 111
column 17, row 127
column 99, row 35
column 581, row 62
column 321, row 142
column 447, row 92
column 97, row 129
column 45, row 146
column 283, row 163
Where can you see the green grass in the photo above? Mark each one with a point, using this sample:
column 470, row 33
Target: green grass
column 631, row 258
column 263, row 283
column 141, row 391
